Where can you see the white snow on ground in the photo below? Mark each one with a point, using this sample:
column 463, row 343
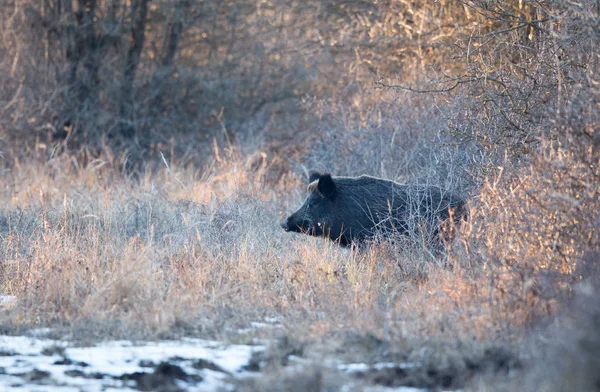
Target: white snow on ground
column 270, row 322
column 362, row 367
column 39, row 332
column 353, row 367
column 6, row 300
column 379, row 388
column 33, row 363
column 19, row 355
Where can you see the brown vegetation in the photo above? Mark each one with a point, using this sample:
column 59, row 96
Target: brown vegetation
column 149, row 149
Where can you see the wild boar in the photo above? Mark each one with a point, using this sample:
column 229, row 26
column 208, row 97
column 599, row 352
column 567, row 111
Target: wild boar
column 353, row 209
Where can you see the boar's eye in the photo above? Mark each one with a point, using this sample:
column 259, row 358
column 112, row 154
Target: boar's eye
column 313, row 201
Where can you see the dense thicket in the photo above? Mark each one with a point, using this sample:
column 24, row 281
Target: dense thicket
column 145, row 71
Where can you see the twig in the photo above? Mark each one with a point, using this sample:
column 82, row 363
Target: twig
column 381, row 84
column 532, row 23
column 169, row 170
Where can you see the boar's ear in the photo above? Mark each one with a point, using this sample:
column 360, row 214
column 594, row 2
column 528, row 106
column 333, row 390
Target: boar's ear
column 314, row 176
column 326, row 186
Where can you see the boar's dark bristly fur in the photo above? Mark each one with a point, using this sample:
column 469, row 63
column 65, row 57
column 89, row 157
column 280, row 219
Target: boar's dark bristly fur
column 352, row 209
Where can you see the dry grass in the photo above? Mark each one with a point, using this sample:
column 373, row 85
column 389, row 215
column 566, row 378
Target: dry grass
column 88, row 244
column 97, row 253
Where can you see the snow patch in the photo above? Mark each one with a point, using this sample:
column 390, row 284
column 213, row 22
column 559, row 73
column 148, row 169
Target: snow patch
column 270, row 322
column 391, row 389
column 363, row 367
column 6, row 300
column 101, row 367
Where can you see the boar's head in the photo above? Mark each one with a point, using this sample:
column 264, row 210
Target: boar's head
column 317, row 214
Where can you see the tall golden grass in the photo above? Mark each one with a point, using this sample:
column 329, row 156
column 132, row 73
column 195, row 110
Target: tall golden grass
column 91, row 245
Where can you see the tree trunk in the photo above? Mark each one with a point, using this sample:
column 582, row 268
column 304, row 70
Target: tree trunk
column 169, row 49
column 82, row 52
column 139, row 13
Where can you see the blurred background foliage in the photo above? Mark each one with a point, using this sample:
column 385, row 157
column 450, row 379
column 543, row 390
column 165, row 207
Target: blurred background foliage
column 141, row 74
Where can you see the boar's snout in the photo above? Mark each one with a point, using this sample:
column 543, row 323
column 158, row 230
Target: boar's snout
column 288, row 224
column 294, row 224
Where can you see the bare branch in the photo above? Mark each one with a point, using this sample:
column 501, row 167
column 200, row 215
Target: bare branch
column 457, row 82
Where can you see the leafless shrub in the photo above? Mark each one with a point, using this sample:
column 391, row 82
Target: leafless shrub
column 387, row 139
